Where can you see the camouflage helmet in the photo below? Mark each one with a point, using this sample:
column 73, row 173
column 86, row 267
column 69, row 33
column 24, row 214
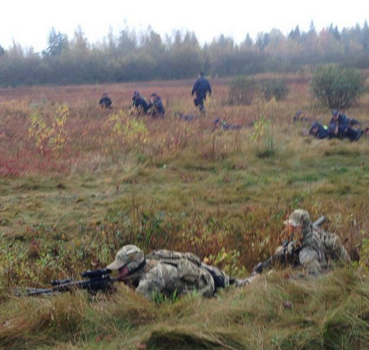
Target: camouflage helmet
column 299, row 217
column 129, row 256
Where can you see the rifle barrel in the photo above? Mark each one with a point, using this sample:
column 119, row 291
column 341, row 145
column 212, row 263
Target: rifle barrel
column 92, row 285
column 319, row 222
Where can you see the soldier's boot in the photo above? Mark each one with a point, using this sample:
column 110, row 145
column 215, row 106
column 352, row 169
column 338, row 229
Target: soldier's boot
column 243, row 282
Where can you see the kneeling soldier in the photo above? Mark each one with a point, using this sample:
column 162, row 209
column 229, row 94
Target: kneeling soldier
column 105, row 101
column 310, row 247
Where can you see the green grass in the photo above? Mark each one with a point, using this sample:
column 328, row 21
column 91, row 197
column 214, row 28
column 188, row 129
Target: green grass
column 189, row 188
column 30, row 200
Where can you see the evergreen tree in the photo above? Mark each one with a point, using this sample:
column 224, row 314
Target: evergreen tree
column 57, row 42
column 295, row 34
column 365, row 37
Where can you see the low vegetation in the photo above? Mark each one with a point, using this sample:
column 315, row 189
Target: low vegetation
column 247, row 90
column 78, row 182
column 336, row 86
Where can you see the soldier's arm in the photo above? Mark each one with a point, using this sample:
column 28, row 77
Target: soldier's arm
column 278, row 257
column 333, row 244
column 152, row 282
column 353, row 121
column 195, row 87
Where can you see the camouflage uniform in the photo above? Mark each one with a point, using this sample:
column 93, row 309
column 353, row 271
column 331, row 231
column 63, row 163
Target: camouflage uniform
column 334, row 247
column 169, row 272
column 317, row 248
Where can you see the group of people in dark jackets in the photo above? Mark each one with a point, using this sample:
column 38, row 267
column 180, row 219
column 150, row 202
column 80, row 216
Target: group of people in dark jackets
column 155, row 107
column 340, row 127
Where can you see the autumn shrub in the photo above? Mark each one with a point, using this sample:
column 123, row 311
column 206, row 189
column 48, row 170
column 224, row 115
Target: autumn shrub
column 262, row 138
column 243, row 91
column 275, row 88
column 48, row 132
column 336, row 86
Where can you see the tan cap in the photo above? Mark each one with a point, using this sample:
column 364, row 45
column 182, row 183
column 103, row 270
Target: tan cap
column 298, row 217
column 130, row 256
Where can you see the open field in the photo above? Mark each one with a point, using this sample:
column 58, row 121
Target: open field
column 77, row 183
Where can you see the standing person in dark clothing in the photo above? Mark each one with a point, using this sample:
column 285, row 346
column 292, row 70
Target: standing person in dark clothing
column 105, row 101
column 139, row 104
column 156, row 105
column 201, row 88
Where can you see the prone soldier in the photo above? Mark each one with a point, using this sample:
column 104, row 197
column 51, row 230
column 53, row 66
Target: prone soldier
column 341, row 127
column 339, row 131
column 169, row 272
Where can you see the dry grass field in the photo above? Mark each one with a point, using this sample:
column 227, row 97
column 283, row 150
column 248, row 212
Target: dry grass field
column 77, row 183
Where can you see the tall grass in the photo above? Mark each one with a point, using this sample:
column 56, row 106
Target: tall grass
column 278, row 311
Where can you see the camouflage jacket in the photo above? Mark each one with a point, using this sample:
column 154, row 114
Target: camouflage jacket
column 171, row 273
column 317, row 250
column 320, row 249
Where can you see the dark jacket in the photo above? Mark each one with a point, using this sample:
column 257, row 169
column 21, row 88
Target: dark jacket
column 201, row 88
column 343, row 120
column 337, row 127
column 157, row 107
column 344, row 132
column 139, row 102
column 322, row 133
column 105, row 102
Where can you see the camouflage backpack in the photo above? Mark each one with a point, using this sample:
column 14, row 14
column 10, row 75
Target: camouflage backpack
column 173, row 258
column 185, row 269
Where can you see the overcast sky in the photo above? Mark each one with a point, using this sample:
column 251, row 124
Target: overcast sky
column 29, row 22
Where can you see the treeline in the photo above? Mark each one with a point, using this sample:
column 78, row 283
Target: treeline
column 133, row 56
